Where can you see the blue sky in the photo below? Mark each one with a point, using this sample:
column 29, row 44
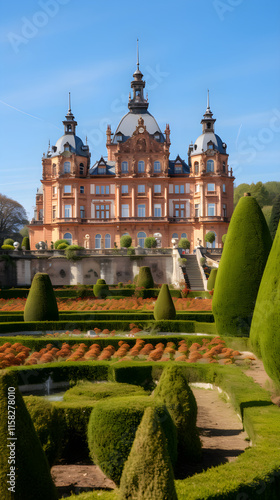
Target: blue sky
column 51, row 47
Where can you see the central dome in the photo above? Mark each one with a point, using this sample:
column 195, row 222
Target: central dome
column 76, row 145
column 201, row 143
column 129, row 123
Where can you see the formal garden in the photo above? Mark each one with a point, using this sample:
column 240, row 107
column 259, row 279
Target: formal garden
column 126, row 359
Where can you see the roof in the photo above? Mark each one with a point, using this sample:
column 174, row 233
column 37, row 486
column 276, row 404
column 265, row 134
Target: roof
column 110, row 167
column 76, row 146
column 129, row 123
column 200, row 145
column 178, row 161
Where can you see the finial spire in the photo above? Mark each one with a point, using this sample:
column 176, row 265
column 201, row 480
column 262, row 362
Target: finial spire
column 69, row 110
column 208, row 100
column 137, row 53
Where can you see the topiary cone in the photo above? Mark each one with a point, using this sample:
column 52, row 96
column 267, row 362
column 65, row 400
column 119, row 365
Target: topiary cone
column 145, row 278
column 148, row 474
column 212, row 279
column 41, row 302
column 241, row 267
column 32, row 474
column 164, row 306
column 265, row 328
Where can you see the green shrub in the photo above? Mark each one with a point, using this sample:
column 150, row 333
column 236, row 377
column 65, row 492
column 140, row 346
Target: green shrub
column 212, row 278
column 112, row 427
column 62, row 246
column 184, row 243
column 210, row 237
column 224, row 238
column 9, row 241
column 150, row 242
column 275, row 216
column 86, row 389
column 71, row 251
column 32, row 474
column 164, row 306
column 101, row 289
column 25, row 243
column 41, row 302
column 182, row 261
column 7, row 247
column 148, row 474
column 241, row 267
column 131, row 251
column 47, row 426
column 145, row 278
column 173, row 390
column 265, row 328
column 125, row 241
column 202, row 261
column 58, row 242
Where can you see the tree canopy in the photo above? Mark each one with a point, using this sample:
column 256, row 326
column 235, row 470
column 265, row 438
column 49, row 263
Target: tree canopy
column 265, row 194
column 12, row 217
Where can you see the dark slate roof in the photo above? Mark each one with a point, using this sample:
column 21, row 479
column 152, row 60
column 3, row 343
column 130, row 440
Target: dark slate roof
column 110, row 167
column 178, row 161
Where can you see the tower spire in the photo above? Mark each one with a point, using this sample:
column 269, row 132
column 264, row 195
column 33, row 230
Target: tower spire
column 69, row 110
column 208, row 100
column 138, row 54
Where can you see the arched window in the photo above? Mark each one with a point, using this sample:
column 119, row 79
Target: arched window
column 141, row 167
column 174, row 235
column 68, row 238
column 107, row 241
column 141, row 239
column 98, row 241
column 124, row 166
column 184, row 235
column 66, row 167
column 210, row 166
column 196, row 168
column 81, row 169
column 157, row 166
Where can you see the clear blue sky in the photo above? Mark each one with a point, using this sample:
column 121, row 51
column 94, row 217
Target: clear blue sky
column 50, row 47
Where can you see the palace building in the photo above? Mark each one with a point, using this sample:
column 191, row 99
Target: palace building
column 135, row 188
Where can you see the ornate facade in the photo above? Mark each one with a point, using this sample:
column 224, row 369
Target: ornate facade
column 136, row 188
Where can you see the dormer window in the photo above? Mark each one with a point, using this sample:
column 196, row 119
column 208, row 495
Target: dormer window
column 157, row 137
column 210, row 145
column 178, row 169
column 119, row 137
column 102, row 170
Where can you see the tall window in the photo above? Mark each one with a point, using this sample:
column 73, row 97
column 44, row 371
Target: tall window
column 82, row 211
column 211, row 209
column 184, row 235
column 98, row 241
column 210, row 166
column 197, row 210
column 124, row 166
column 67, row 189
column 107, row 241
column 125, row 211
column 197, row 188
column 210, row 187
column 102, row 211
column 224, row 210
column 141, row 167
column 179, row 210
column 124, row 189
column 67, row 211
column 81, row 169
column 157, row 188
column 224, row 188
column 54, row 212
column 157, row 166
column 224, row 167
column 68, row 238
column 141, row 239
column 141, row 188
column 196, row 168
column 179, row 189
column 157, row 210
column 141, row 210
column 66, row 167
column 82, row 189
column 54, row 190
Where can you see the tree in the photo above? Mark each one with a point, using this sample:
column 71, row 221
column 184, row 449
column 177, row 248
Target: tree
column 12, row 217
column 275, row 216
column 241, row 267
column 257, row 191
column 164, row 306
column 210, row 237
column 184, row 243
column 126, row 241
column 41, row 302
column 150, row 242
column 145, row 277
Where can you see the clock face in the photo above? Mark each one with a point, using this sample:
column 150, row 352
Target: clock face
column 141, row 130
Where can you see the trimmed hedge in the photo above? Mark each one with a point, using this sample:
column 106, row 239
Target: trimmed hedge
column 145, row 278
column 212, row 278
column 164, row 306
column 41, row 302
column 112, row 427
column 96, row 392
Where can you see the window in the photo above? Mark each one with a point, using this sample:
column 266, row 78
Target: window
column 67, row 211
column 179, row 189
column 210, row 145
column 107, row 241
column 41, row 214
column 102, row 170
column 141, row 239
column 54, row 212
column 197, row 210
column 224, row 210
column 211, row 209
column 197, row 188
column 124, row 189
column 68, row 238
column 196, row 168
column 176, row 190
column 98, row 241
column 141, row 210
column 54, row 190
column 125, row 211
column 174, row 235
column 82, row 212
column 210, row 166
column 179, row 210
column 184, row 235
column 141, row 188
column 224, row 167
column 97, row 190
column 178, row 169
column 66, row 148
column 141, row 167
column 208, row 125
column 66, row 167
column 157, row 188
column 124, row 166
column 67, row 189
column 157, row 166
column 81, row 169
column 157, row 210
column 210, row 187
column 82, row 189
column 224, row 188
column 102, row 211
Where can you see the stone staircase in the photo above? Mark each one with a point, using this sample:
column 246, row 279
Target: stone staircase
column 192, row 274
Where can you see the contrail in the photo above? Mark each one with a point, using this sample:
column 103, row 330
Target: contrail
column 28, row 114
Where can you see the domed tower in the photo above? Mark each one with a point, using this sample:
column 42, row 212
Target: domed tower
column 213, row 180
